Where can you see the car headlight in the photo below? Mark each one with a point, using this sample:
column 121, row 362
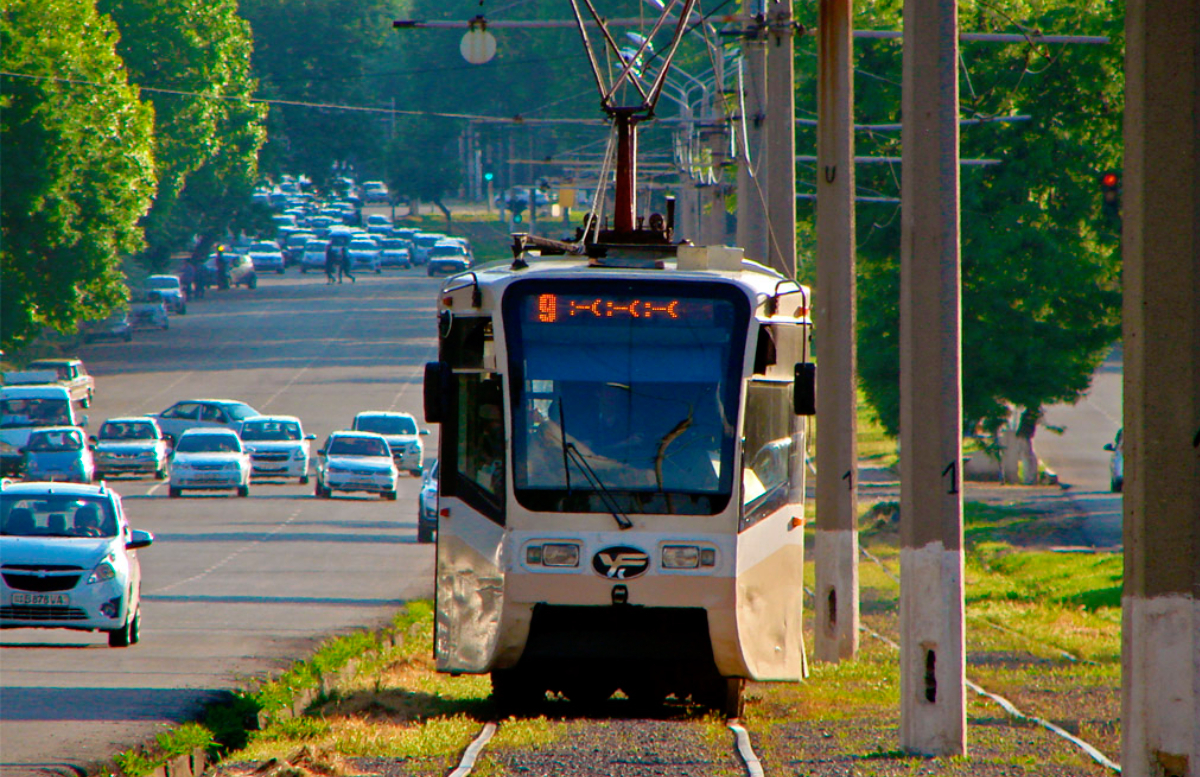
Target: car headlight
column 180, row 466
column 103, row 571
column 336, row 468
column 7, row 447
column 298, row 455
column 553, row 554
column 232, row 465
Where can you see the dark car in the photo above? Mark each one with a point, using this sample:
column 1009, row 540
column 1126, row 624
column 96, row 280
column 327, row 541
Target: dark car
column 115, row 327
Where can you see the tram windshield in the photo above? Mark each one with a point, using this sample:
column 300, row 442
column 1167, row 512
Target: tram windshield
column 625, row 394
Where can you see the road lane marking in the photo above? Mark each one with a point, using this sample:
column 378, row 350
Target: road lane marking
column 231, row 556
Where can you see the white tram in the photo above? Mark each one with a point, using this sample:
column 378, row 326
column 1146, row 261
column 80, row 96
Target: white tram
column 621, row 484
column 621, row 499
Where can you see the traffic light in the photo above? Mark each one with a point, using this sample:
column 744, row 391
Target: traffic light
column 488, row 175
column 1110, row 191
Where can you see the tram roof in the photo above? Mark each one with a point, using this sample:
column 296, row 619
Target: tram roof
column 760, row 280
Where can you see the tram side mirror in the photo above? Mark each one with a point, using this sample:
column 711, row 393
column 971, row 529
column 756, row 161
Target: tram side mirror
column 437, row 391
column 804, row 390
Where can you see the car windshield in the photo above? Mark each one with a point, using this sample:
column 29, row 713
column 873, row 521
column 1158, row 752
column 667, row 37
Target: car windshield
column 357, row 446
column 386, row 424
column 121, row 430
column 56, row 515
column 299, row 240
column 239, row 411
column 34, row 411
column 160, row 282
column 363, row 245
column 56, row 440
column 207, row 443
column 455, row 251
column 58, row 368
column 264, row 247
column 394, row 244
column 262, row 431
column 427, row 241
column 315, row 246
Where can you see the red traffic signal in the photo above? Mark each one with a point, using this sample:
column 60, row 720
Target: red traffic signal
column 1109, row 180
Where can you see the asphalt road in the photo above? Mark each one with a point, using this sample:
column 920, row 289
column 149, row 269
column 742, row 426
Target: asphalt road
column 1077, row 454
column 235, row 588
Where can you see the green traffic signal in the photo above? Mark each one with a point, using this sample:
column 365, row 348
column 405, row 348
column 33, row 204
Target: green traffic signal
column 488, row 176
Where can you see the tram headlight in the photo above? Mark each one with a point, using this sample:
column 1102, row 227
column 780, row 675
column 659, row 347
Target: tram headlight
column 560, row 554
column 688, row 557
column 553, row 554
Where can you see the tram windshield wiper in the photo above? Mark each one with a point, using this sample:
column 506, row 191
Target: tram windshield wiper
column 571, row 453
column 621, row 518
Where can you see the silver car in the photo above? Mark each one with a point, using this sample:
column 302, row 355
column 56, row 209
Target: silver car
column 277, row 445
column 1116, row 465
column 207, row 413
column 69, row 561
column 403, row 437
column 131, row 446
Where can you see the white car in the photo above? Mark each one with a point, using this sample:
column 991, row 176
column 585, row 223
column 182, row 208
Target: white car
column 266, row 256
column 403, row 437
column 313, row 257
column 277, row 445
column 427, row 505
column 69, row 560
column 380, row 225
column 133, row 445
column 209, row 460
column 394, row 253
column 364, row 255
column 356, row 461
column 1116, row 465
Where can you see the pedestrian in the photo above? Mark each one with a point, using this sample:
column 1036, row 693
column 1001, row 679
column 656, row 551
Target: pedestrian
column 222, row 269
column 345, row 267
column 331, row 262
column 187, row 279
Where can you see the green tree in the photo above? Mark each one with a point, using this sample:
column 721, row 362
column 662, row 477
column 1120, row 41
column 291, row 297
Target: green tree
column 78, row 170
column 1040, row 267
column 195, row 56
column 324, row 53
column 423, row 162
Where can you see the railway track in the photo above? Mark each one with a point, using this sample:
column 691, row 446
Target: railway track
column 689, row 745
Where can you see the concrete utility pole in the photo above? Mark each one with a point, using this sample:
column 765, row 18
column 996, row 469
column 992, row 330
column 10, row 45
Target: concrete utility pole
column 933, row 718
column 837, row 613
column 712, row 229
column 752, row 224
column 1160, row 643
column 781, row 137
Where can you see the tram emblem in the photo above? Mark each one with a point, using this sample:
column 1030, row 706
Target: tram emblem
column 621, row 562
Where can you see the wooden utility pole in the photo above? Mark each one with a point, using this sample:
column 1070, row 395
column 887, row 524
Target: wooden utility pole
column 932, row 646
column 837, row 612
column 1160, row 645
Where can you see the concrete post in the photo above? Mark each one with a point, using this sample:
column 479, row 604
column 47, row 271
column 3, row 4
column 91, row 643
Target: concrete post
column 837, row 612
column 781, row 138
column 932, row 645
column 1160, row 647
column 752, row 179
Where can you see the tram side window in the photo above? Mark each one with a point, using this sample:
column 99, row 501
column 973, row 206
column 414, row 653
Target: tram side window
column 767, row 452
column 480, row 450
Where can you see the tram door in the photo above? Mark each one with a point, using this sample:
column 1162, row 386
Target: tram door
column 471, row 502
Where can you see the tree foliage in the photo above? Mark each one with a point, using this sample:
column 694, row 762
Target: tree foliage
column 78, row 168
column 1040, row 265
column 195, row 56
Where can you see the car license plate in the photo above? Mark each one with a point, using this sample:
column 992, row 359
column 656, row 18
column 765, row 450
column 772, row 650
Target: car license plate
column 41, row 599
